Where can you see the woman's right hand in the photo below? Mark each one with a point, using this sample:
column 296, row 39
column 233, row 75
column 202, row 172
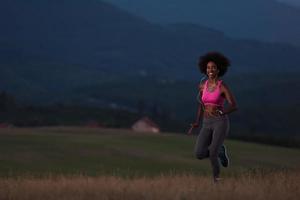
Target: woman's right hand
column 193, row 125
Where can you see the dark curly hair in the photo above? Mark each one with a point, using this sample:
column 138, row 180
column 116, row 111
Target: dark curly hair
column 219, row 59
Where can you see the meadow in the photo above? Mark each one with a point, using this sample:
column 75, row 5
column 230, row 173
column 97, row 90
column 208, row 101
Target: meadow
column 87, row 163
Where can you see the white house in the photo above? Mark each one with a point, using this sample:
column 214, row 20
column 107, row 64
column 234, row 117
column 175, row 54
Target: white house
column 145, row 125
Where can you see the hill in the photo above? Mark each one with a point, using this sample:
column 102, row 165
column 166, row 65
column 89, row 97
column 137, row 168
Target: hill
column 267, row 20
column 48, row 47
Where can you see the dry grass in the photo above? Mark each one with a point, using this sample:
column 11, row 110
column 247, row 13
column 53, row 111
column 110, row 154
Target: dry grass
column 276, row 185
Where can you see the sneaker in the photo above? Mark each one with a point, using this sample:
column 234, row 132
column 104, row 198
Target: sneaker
column 217, row 180
column 223, row 156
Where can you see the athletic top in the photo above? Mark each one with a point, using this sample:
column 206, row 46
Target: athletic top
column 214, row 97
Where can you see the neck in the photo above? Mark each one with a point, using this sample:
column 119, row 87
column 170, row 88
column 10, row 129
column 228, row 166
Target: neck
column 213, row 80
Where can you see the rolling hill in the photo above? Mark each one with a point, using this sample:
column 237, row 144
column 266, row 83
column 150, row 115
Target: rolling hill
column 267, row 20
column 53, row 46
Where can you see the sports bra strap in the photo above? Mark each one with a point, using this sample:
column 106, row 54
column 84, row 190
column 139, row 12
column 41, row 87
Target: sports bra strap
column 219, row 83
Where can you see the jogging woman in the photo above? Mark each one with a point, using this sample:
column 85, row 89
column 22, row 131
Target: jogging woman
column 215, row 124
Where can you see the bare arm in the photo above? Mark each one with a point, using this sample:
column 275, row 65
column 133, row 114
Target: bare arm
column 200, row 107
column 199, row 112
column 230, row 98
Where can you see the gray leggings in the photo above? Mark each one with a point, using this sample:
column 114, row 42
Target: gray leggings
column 210, row 139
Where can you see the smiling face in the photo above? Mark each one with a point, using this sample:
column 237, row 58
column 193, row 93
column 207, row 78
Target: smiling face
column 212, row 70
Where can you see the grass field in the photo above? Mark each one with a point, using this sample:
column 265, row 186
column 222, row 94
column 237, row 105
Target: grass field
column 81, row 163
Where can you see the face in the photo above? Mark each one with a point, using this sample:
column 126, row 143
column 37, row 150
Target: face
column 212, row 70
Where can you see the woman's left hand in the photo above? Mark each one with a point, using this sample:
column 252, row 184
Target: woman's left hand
column 213, row 113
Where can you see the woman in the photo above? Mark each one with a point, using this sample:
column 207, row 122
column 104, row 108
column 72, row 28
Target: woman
column 215, row 123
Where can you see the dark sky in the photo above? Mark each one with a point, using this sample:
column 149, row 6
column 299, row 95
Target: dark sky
column 291, row 2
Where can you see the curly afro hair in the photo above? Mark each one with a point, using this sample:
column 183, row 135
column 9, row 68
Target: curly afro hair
column 219, row 59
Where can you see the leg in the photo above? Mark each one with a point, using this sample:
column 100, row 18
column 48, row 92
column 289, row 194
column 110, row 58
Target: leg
column 223, row 156
column 220, row 131
column 202, row 143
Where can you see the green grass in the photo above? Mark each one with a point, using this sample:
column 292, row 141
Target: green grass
column 93, row 152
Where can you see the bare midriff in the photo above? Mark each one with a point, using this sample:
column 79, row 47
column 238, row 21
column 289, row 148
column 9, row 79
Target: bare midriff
column 212, row 110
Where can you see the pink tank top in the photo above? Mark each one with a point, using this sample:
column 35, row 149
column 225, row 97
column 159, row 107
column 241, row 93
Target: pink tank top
column 214, row 97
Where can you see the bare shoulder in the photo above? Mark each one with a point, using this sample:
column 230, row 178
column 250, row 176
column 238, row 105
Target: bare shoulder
column 201, row 86
column 224, row 86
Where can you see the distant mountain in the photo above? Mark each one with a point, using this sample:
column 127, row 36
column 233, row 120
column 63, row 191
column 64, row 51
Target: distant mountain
column 267, row 20
column 52, row 46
